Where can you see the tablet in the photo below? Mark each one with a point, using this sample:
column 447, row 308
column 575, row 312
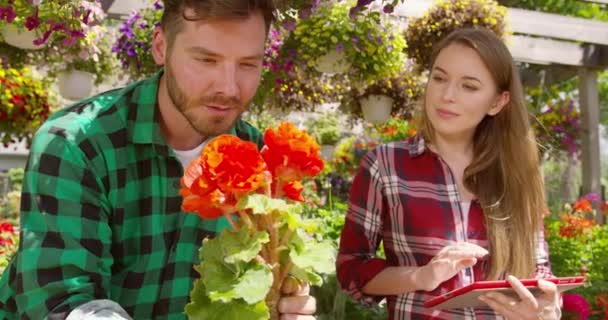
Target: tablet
column 468, row 296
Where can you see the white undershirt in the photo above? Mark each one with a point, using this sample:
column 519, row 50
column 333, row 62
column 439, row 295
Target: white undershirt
column 186, row 156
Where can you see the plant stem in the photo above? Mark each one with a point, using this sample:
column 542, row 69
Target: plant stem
column 233, row 224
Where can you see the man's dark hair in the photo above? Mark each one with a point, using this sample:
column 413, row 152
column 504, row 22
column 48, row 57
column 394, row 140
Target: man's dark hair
column 175, row 12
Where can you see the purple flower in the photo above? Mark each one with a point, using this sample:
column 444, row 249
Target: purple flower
column 289, row 24
column 340, row 47
column 7, row 13
column 389, row 8
column 158, row 6
column 32, row 22
column 593, row 197
column 355, row 39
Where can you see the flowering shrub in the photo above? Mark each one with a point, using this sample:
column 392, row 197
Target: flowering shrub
column 395, row 129
column 24, row 104
column 325, row 128
column 405, row 88
column 134, row 42
column 446, row 16
column 577, row 245
column 9, row 241
column 372, row 46
column 557, row 129
column 243, row 269
column 92, row 54
column 58, row 19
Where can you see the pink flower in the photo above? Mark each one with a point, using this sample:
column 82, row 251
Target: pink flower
column 576, row 303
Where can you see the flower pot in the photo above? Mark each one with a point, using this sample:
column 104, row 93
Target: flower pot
column 333, row 62
column 75, row 84
column 126, row 7
column 20, row 38
column 376, row 108
column 327, row 151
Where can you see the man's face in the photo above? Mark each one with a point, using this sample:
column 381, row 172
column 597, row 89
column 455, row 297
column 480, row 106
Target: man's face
column 213, row 70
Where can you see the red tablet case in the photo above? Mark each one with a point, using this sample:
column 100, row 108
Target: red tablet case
column 468, row 296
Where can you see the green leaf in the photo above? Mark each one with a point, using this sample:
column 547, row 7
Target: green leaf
column 232, row 247
column 262, row 204
column 317, row 256
column 254, row 285
column 202, row 308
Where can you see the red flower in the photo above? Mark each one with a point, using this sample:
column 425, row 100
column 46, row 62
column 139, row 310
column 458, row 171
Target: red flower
column 227, row 169
column 583, row 205
column 6, row 227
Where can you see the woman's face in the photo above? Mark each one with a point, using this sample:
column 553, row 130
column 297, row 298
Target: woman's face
column 460, row 92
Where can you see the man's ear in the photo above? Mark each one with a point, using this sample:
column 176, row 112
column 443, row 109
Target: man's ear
column 159, row 46
column 501, row 101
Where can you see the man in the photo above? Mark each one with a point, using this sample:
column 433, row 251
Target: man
column 103, row 235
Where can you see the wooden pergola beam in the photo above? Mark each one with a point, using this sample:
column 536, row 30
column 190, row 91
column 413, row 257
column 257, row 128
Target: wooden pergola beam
column 548, row 51
column 557, row 26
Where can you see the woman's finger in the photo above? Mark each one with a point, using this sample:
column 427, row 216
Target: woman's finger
column 524, row 294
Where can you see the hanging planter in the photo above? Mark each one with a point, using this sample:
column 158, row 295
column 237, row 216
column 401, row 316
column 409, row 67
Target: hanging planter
column 75, row 84
column 333, row 62
column 19, row 38
column 327, row 151
column 376, row 108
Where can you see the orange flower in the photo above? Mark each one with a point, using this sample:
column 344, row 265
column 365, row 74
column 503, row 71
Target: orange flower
column 583, row 205
column 228, row 168
column 233, row 164
column 573, row 226
column 290, row 154
column 293, row 190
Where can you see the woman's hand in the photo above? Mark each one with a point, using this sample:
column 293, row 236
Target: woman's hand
column 527, row 307
column 296, row 302
column 447, row 263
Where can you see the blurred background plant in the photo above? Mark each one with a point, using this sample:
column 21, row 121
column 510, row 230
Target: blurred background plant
column 446, row 16
column 134, row 42
column 24, row 104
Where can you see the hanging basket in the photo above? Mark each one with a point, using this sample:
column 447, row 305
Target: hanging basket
column 75, row 84
column 327, row 151
column 334, row 62
column 376, row 108
column 19, row 38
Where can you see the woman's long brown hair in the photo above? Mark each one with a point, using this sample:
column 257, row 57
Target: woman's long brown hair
column 505, row 171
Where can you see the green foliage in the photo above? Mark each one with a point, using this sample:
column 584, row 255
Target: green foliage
column 324, row 128
column 371, row 46
column 446, row 16
column 574, row 8
column 576, row 246
column 235, row 280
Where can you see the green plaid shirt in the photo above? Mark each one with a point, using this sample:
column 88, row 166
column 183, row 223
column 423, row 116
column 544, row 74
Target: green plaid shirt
column 100, row 213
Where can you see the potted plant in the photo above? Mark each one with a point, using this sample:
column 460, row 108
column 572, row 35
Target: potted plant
column 132, row 48
column 24, row 104
column 30, row 24
column 376, row 102
column 331, row 41
column 325, row 129
column 83, row 65
column 446, row 16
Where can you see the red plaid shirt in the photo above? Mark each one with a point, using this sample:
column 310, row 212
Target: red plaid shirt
column 406, row 196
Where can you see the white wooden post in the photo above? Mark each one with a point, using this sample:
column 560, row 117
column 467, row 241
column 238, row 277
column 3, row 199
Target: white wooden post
column 590, row 141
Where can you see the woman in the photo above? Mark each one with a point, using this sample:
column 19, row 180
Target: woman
column 460, row 202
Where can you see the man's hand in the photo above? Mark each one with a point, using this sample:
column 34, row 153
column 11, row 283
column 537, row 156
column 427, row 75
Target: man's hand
column 447, row 263
column 296, row 302
column 527, row 307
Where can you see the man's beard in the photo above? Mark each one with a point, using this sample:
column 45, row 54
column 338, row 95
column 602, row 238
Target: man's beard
column 210, row 126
